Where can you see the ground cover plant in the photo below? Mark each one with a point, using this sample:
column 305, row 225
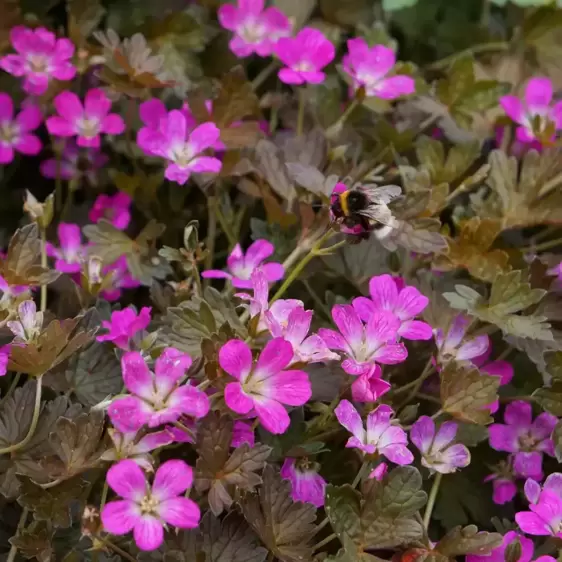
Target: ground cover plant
column 280, row 281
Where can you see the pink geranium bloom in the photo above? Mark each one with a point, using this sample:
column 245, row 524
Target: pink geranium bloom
column 70, row 255
column 389, row 293
column 379, row 472
column 263, row 387
column 304, row 55
column 504, row 488
column 114, row 208
column 545, row 515
column 75, row 163
column 124, row 325
column 29, row 324
column 533, row 489
column 369, row 387
column 498, row 554
column 500, row 368
column 526, row 439
column 40, row 57
column 182, row 147
column 156, row 398
column 146, row 509
column 255, row 30
column 535, row 113
column 438, row 449
column 455, row 346
column 242, row 432
column 121, row 278
column 380, row 435
column 4, row 358
column 306, row 484
column 242, row 265
column 368, row 68
column 87, row 121
column 364, row 345
column 15, row 131
column 11, row 291
column 126, row 446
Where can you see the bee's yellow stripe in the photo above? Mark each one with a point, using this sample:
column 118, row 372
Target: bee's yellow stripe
column 343, row 203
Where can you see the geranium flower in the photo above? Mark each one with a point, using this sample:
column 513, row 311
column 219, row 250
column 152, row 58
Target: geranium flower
column 242, row 265
column 503, row 483
column 182, row 147
column 533, row 489
column 500, row 368
column 525, row 438
column 70, row 255
column 389, row 293
column 242, row 432
column 4, row 358
column 87, row 121
column 364, row 345
column 255, row 30
column 124, row 325
column 438, row 450
column 379, row 436
column 114, row 208
column 537, row 119
column 156, row 398
column 40, row 57
column 544, row 517
column 11, row 291
column 264, row 387
column 145, row 509
column 121, row 278
column 368, row 68
column 306, row 484
column 453, row 345
column 15, row 131
column 379, row 472
column 29, row 323
column 369, row 387
column 304, row 55
column 498, row 554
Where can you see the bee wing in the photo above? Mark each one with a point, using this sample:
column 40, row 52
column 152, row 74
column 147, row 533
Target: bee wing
column 379, row 213
column 382, row 194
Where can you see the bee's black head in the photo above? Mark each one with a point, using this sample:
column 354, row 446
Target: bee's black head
column 357, row 201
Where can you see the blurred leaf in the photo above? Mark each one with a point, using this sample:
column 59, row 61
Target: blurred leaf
column 34, row 542
column 465, row 393
column 10, row 16
column 312, row 179
column 392, row 5
column 557, row 440
column 550, row 398
column 420, row 236
column 16, row 413
column 348, row 14
column 285, row 527
column 297, row 10
column 83, row 18
column 468, row 540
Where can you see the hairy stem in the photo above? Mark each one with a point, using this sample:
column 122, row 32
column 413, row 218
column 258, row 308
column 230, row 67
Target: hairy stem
column 104, row 495
column 21, row 525
column 321, row 525
column 542, row 246
column 34, row 420
column 364, row 468
column 232, row 238
column 431, row 500
column 43, row 304
column 336, row 127
column 324, row 542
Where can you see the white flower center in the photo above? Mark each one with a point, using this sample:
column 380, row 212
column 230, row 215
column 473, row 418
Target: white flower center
column 182, row 155
column 303, row 66
column 9, row 132
column 252, row 31
column 38, row 63
column 88, row 128
column 149, row 505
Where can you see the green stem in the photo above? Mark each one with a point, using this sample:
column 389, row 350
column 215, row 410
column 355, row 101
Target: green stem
column 58, row 178
column 232, row 238
column 321, row 525
column 116, row 549
column 104, row 495
column 431, row 500
column 264, row 74
column 129, row 119
column 336, row 127
column 427, row 371
column 211, row 236
column 43, row 305
column 543, row 246
column 324, row 542
column 34, row 420
column 360, row 474
column 21, row 525
column 300, row 115
column 474, row 50
column 428, row 397
column 13, row 385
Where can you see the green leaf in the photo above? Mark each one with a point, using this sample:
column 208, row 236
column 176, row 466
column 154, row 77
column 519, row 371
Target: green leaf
column 16, row 413
column 34, row 542
column 343, row 508
column 461, row 541
column 393, row 5
column 550, row 398
column 297, row 10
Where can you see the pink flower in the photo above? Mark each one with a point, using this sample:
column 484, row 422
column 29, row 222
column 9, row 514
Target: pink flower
column 121, row 279
column 86, row 121
column 501, row 369
column 146, row 509
column 124, row 325
column 545, row 515
column 498, row 554
column 181, row 147
column 504, row 488
column 11, row 291
column 369, row 387
column 259, row 301
column 438, row 451
column 255, row 30
column 29, row 323
column 4, row 358
column 453, row 345
column 15, row 132
column 114, row 208
column 305, row 55
column 126, row 446
column 294, row 328
column 40, row 57
column 368, row 68
column 533, row 489
column 379, row 472
column 264, row 387
column 525, row 438
column 242, row 432
column 70, row 255
column 306, row 484
column 242, row 265
column 380, row 436
column 75, row 163
column 388, row 293
column 535, row 116
column 156, row 398
column 364, row 345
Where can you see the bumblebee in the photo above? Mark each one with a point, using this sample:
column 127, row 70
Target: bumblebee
column 363, row 209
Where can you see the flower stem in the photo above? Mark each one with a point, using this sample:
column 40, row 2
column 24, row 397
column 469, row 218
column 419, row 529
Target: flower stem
column 21, row 525
column 431, row 500
column 43, row 305
column 474, row 50
column 264, row 74
column 543, row 246
column 13, row 385
column 321, row 525
column 115, row 548
column 336, row 127
column 34, row 420
column 300, row 115
column 104, row 495
column 324, row 542
column 211, row 236
column 232, row 238
column 360, row 474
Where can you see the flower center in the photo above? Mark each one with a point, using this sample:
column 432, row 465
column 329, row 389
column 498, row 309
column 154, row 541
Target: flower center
column 88, row 128
column 528, row 442
column 38, row 63
column 9, row 132
column 252, row 31
column 303, row 66
column 148, row 505
column 183, row 155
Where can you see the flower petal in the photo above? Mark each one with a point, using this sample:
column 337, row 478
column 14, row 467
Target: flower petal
column 119, row 517
column 288, row 387
column 136, row 375
column 180, row 512
column 258, row 251
column 276, row 355
column 538, row 94
column 422, row 433
column 127, row 479
column 189, row 401
column 173, row 478
column 235, row 357
column 170, row 368
column 272, row 415
column 349, row 418
column 236, row 399
column 349, row 324
column 148, row 533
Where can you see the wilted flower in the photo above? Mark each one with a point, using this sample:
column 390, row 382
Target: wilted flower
column 379, row 472
column 70, row 255
column 306, row 484
column 453, row 345
column 525, row 438
column 498, row 554
column 255, row 30
column 503, row 482
column 41, row 213
column 369, row 386
column 536, row 118
column 146, row 509
column 87, row 121
column 124, row 325
column 114, row 208
column 367, row 344
column 126, row 446
column 263, row 387
column 389, row 293
column 29, row 324
column 380, row 436
column 40, row 57
column 368, row 68
column 242, row 265
column 242, row 432
column 305, row 55
column 181, row 147
column 438, row 449
column 156, row 398
column 15, row 131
